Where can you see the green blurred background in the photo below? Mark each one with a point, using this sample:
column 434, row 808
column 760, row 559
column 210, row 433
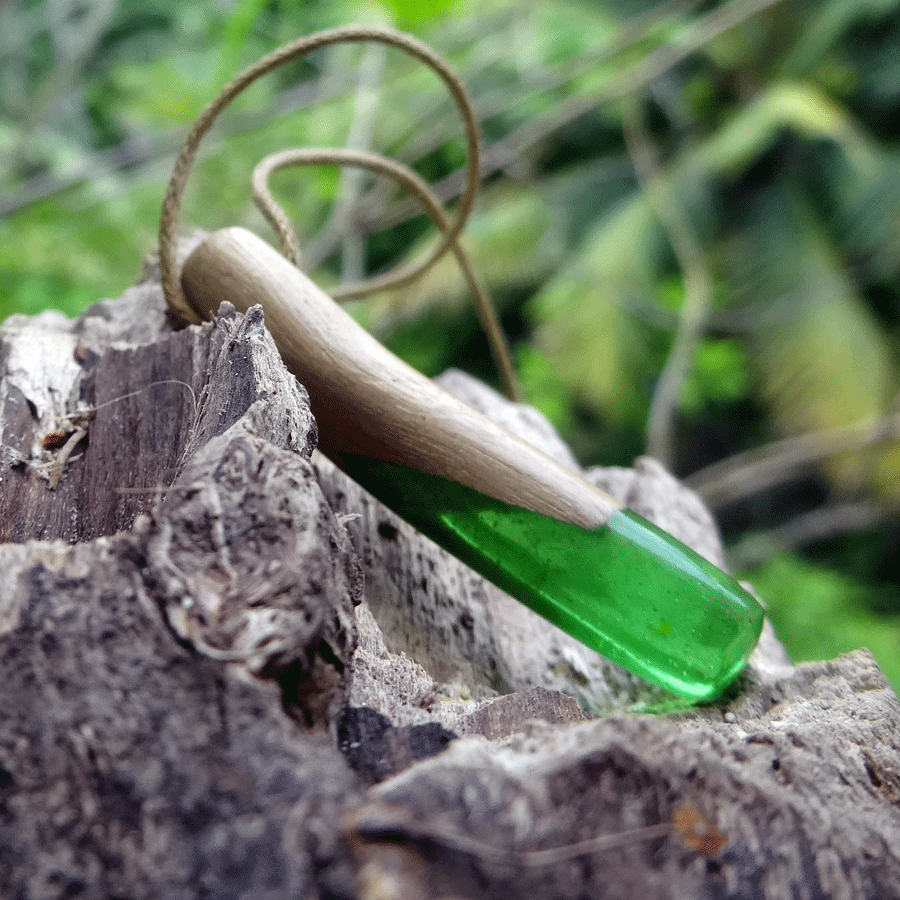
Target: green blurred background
column 690, row 224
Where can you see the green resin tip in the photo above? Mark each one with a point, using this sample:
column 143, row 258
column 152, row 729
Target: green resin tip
column 627, row 589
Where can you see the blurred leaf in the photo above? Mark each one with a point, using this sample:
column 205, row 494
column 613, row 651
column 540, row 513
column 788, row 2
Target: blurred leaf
column 822, row 359
column 514, row 241
column 860, row 206
column 34, row 293
column 583, row 313
column 237, row 32
column 753, row 129
column 544, row 387
column 414, row 15
column 818, row 613
column 720, row 375
column 827, row 27
column 583, row 326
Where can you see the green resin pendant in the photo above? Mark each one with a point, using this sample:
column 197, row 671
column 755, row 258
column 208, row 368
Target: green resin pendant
column 626, row 589
column 535, row 528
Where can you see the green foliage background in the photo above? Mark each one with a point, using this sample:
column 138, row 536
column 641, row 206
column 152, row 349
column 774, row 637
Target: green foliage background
column 690, row 223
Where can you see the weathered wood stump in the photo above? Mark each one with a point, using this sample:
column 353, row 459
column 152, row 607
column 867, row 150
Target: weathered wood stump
column 226, row 671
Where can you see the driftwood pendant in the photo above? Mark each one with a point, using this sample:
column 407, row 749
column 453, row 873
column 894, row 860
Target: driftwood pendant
column 535, row 528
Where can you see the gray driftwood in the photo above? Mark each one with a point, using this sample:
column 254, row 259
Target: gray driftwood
column 201, row 697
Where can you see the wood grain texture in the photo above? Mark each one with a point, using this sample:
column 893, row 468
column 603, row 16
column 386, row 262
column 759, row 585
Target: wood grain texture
column 367, row 401
column 135, row 765
column 790, row 792
column 164, row 691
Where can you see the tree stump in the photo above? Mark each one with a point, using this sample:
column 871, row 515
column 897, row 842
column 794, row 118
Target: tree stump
column 226, row 671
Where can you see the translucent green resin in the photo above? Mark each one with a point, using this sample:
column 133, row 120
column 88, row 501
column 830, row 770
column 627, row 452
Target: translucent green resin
column 627, row 589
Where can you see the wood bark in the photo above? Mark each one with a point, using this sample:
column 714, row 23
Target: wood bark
column 226, row 671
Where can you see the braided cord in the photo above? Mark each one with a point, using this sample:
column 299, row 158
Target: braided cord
column 407, row 178
column 450, row 228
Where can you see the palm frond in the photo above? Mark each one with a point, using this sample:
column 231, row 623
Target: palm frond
column 821, row 357
column 861, row 207
column 827, row 27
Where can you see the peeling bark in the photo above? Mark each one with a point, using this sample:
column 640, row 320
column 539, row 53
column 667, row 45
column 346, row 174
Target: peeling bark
column 202, row 696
